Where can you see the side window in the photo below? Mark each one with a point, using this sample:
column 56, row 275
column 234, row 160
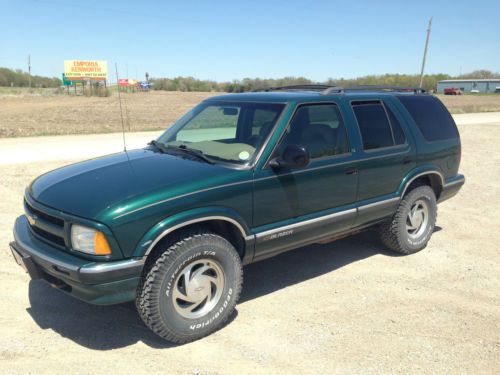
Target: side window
column 397, row 130
column 320, row 129
column 431, row 116
column 373, row 125
column 324, row 114
column 263, row 118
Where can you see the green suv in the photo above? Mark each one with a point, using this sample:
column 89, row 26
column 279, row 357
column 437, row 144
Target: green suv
column 239, row 178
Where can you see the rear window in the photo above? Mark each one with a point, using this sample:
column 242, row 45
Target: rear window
column 373, row 124
column 431, row 116
column 397, row 130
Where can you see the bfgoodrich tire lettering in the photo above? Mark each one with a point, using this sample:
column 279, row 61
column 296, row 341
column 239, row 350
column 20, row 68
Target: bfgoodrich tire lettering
column 191, row 289
column 412, row 225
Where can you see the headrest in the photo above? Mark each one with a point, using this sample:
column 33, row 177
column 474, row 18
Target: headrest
column 319, row 133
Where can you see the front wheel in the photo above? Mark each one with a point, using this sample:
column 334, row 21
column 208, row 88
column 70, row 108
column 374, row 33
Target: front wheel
column 191, row 289
column 411, row 227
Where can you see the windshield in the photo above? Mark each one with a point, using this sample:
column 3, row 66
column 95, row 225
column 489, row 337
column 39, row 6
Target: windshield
column 224, row 131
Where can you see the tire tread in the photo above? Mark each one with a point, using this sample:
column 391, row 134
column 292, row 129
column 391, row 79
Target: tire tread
column 148, row 291
column 390, row 230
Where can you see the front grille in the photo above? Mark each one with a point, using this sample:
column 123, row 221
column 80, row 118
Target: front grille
column 48, row 227
column 49, row 236
column 51, row 219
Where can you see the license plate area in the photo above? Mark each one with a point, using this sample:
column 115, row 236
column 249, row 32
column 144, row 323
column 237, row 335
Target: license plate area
column 26, row 263
column 19, row 259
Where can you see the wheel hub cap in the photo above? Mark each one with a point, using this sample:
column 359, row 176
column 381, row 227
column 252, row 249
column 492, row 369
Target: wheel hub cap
column 198, row 288
column 417, row 219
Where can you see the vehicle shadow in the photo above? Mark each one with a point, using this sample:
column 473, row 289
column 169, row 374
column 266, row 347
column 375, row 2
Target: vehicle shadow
column 112, row 327
column 308, row 262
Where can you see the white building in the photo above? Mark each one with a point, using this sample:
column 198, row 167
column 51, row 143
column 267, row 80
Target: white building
column 486, row 86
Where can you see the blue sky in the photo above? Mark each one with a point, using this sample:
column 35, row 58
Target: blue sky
column 226, row 40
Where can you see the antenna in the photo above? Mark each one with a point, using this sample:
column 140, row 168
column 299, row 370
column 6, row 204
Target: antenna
column 121, row 110
column 127, row 117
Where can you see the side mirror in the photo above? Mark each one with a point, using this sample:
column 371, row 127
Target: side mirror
column 294, row 156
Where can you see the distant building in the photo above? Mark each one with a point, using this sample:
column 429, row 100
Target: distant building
column 484, row 86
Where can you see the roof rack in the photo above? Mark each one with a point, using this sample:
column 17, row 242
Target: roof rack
column 295, row 88
column 386, row 88
column 328, row 89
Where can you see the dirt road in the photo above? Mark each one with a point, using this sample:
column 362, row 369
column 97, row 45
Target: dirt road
column 344, row 307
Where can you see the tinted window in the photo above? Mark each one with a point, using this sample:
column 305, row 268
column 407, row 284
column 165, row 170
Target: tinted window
column 431, row 116
column 263, row 119
column 397, row 130
column 374, row 125
column 323, row 114
column 320, row 129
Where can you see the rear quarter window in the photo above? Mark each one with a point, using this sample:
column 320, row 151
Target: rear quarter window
column 431, row 117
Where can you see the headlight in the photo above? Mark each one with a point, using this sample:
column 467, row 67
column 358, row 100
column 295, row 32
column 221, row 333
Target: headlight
column 88, row 240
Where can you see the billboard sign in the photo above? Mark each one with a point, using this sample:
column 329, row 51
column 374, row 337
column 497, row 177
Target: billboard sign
column 123, row 82
column 81, row 69
column 66, row 82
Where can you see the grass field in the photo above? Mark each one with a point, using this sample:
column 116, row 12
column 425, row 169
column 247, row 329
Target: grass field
column 33, row 112
column 28, row 115
column 471, row 103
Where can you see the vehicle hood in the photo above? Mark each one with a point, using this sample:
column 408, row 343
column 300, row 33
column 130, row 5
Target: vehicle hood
column 91, row 187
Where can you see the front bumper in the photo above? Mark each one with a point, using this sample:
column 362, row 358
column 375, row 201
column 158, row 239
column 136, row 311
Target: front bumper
column 102, row 283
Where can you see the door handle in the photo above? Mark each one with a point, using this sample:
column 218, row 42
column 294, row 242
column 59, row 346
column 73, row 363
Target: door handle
column 351, row 171
column 407, row 160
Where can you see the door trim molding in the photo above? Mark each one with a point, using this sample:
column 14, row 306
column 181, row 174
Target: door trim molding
column 304, row 223
column 320, row 219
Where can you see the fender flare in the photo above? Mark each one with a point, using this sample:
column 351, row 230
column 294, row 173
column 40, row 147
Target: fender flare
column 419, row 172
column 182, row 219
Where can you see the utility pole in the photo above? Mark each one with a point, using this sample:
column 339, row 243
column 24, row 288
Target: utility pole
column 29, row 71
column 425, row 52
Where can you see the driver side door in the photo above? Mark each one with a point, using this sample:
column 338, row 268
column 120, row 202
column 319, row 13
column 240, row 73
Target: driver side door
column 294, row 206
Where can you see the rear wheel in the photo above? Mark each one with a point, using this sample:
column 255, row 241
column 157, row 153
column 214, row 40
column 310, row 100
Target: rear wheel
column 412, row 225
column 190, row 289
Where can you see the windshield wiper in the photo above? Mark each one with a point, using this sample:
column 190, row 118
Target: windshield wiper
column 166, row 149
column 160, row 146
column 191, row 151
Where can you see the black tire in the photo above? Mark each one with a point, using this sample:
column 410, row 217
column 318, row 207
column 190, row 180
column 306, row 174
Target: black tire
column 166, row 274
column 395, row 234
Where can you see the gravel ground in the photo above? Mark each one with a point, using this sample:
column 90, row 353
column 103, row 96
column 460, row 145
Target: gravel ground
column 345, row 307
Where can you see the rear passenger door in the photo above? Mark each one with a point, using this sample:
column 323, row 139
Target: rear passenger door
column 388, row 154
